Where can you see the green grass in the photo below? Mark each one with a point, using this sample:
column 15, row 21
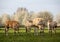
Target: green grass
column 29, row 37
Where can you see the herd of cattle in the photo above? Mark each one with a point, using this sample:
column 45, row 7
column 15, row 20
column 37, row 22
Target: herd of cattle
column 37, row 23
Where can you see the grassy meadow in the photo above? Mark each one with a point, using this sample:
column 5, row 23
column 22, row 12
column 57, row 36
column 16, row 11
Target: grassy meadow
column 29, row 37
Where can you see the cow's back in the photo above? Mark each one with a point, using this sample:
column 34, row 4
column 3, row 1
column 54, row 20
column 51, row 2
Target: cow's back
column 11, row 23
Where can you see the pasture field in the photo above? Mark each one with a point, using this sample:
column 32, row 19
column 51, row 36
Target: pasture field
column 29, row 37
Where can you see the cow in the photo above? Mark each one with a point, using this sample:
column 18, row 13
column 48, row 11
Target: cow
column 39, row 24
column 28, row 25
column 11, row 24
column 52, row 25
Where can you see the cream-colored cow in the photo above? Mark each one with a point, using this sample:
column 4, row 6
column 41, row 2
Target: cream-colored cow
column 39, row 24
column 28, row 25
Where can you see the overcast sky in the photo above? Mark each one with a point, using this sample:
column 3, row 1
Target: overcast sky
column 10, row 6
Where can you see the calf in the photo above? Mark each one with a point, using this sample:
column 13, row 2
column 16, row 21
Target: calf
column 11, row 24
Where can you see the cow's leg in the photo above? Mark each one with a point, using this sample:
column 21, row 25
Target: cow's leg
column 6, row 31
column 26, row 29
column 36, row 31
column 18, row 30
column 29, row 29
column 42, row 30
column 14, row 31
column 54, row 29
column 50, row 31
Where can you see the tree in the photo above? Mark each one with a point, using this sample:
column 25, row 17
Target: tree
column 5, row 17
column 58, row 18
column 20, row 15
column 32, row 15
column 0, row 21
column 46, row 15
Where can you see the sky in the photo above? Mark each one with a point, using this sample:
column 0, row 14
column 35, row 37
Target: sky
column 10, row 6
